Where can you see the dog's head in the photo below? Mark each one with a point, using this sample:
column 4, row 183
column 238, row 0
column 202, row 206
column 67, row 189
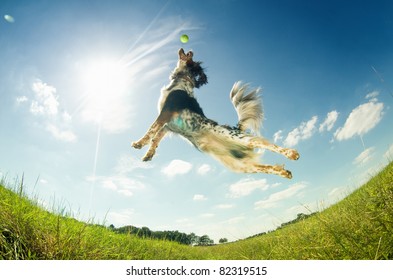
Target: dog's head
column 189, row 69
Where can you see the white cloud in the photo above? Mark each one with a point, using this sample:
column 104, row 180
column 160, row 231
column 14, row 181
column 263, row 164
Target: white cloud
column 177, row 167
column 338, row 193
column 127, row 164
column 245, row 187
column 372, row 95
column 274, row 199
column 21, row 99
column 45, row 102
column 361, row 120
column 304, row 131
column 277, row 136
column 389, row 153
column 118, row 183
column 207, row 215
column 199, row 197
column 63, row 135
column 364, row 156
column 329, row 122
column 234, row 220
column 224, row 206
column 204, row 169
column 121, row 218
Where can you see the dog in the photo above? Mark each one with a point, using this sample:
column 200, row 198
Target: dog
column 235, row 147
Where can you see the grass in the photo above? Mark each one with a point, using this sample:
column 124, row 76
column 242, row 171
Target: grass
column 358, row 227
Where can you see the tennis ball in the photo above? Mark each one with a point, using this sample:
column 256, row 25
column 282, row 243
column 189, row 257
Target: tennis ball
column 184, row 38
column 9, row 18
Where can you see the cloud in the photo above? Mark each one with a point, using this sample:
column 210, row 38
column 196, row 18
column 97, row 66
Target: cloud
column 274, row 199
column 177, row 167
column 65, row 135
column 207, row 215
column 224, row 206
column 361, row 120
column 204, row 169
column 45, row 102
column 199, row 197
column 118, row 183
column 127, row 164
column 364, row 156
column 389, row 153
column 329, row 122
column 235, row 220
column 304, row 131
column 277, row 136
column 245, row 187
column 372, row 95
column 121, row 218
column 45, row 106
column 21, row 99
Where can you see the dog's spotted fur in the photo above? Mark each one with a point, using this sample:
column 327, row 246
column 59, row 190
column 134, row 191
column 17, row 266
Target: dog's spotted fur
column 179, row 112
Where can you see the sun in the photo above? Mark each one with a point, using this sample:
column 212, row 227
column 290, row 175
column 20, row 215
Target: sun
column 104, row 82
column 105, row 77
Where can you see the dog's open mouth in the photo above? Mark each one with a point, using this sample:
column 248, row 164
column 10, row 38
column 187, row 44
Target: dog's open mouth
column 184, row 56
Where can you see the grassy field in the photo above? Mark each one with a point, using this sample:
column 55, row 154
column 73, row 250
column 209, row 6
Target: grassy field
column 358, row 227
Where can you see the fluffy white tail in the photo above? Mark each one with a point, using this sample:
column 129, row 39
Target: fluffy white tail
column 248, row 105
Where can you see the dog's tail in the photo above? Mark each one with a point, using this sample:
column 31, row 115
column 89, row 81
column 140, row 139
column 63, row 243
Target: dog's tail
column 248, row 105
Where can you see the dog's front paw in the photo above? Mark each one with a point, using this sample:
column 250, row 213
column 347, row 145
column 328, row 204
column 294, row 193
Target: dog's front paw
column 147, row 157
column 292, row 154
column 137, row 145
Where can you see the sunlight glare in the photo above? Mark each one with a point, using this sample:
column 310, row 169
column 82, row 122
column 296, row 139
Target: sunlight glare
column 105, row 82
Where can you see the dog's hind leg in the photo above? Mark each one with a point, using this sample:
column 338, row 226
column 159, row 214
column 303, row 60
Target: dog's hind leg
column 154, row 144
column 259, row 142
column 272, row 169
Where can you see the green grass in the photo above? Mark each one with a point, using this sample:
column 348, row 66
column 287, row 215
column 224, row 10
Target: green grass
column 358, row 227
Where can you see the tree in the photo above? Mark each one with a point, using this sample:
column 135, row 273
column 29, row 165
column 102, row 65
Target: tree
column 223, row 240
column 205, row 240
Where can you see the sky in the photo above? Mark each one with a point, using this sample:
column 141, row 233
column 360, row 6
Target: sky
column 80, row 81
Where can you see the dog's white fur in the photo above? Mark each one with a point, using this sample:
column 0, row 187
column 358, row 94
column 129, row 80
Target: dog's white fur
column 179, row 112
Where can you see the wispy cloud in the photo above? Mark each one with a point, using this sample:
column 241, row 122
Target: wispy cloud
column 224, row 206
column 63, row 135
column 245, row 187
column 389, row 153
column 277, row 136
column 234, row 220
column 361, row 120
column 121, row 218
column 364, row 156
column 45, row 106
column 372, row 95
column 329, row 121
column 177, row 167
column 204, row 169
column 304, row 131
column 199, row 197
column 274, row 199
column 21, row 99
column 121, row 184
column 126, row 164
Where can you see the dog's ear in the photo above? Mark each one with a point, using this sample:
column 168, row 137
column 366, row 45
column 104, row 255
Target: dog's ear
column 200, row 80
column 198, row 74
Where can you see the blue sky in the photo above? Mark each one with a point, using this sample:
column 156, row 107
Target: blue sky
column 80, row 81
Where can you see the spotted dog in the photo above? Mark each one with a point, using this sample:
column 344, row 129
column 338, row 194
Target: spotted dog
column 235, row 147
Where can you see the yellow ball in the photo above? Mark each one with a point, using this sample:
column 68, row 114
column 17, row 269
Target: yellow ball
column 184, row 38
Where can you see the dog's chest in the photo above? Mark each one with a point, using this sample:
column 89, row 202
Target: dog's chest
column 186, row 123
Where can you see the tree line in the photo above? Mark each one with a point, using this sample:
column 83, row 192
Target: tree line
column 180, row 237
